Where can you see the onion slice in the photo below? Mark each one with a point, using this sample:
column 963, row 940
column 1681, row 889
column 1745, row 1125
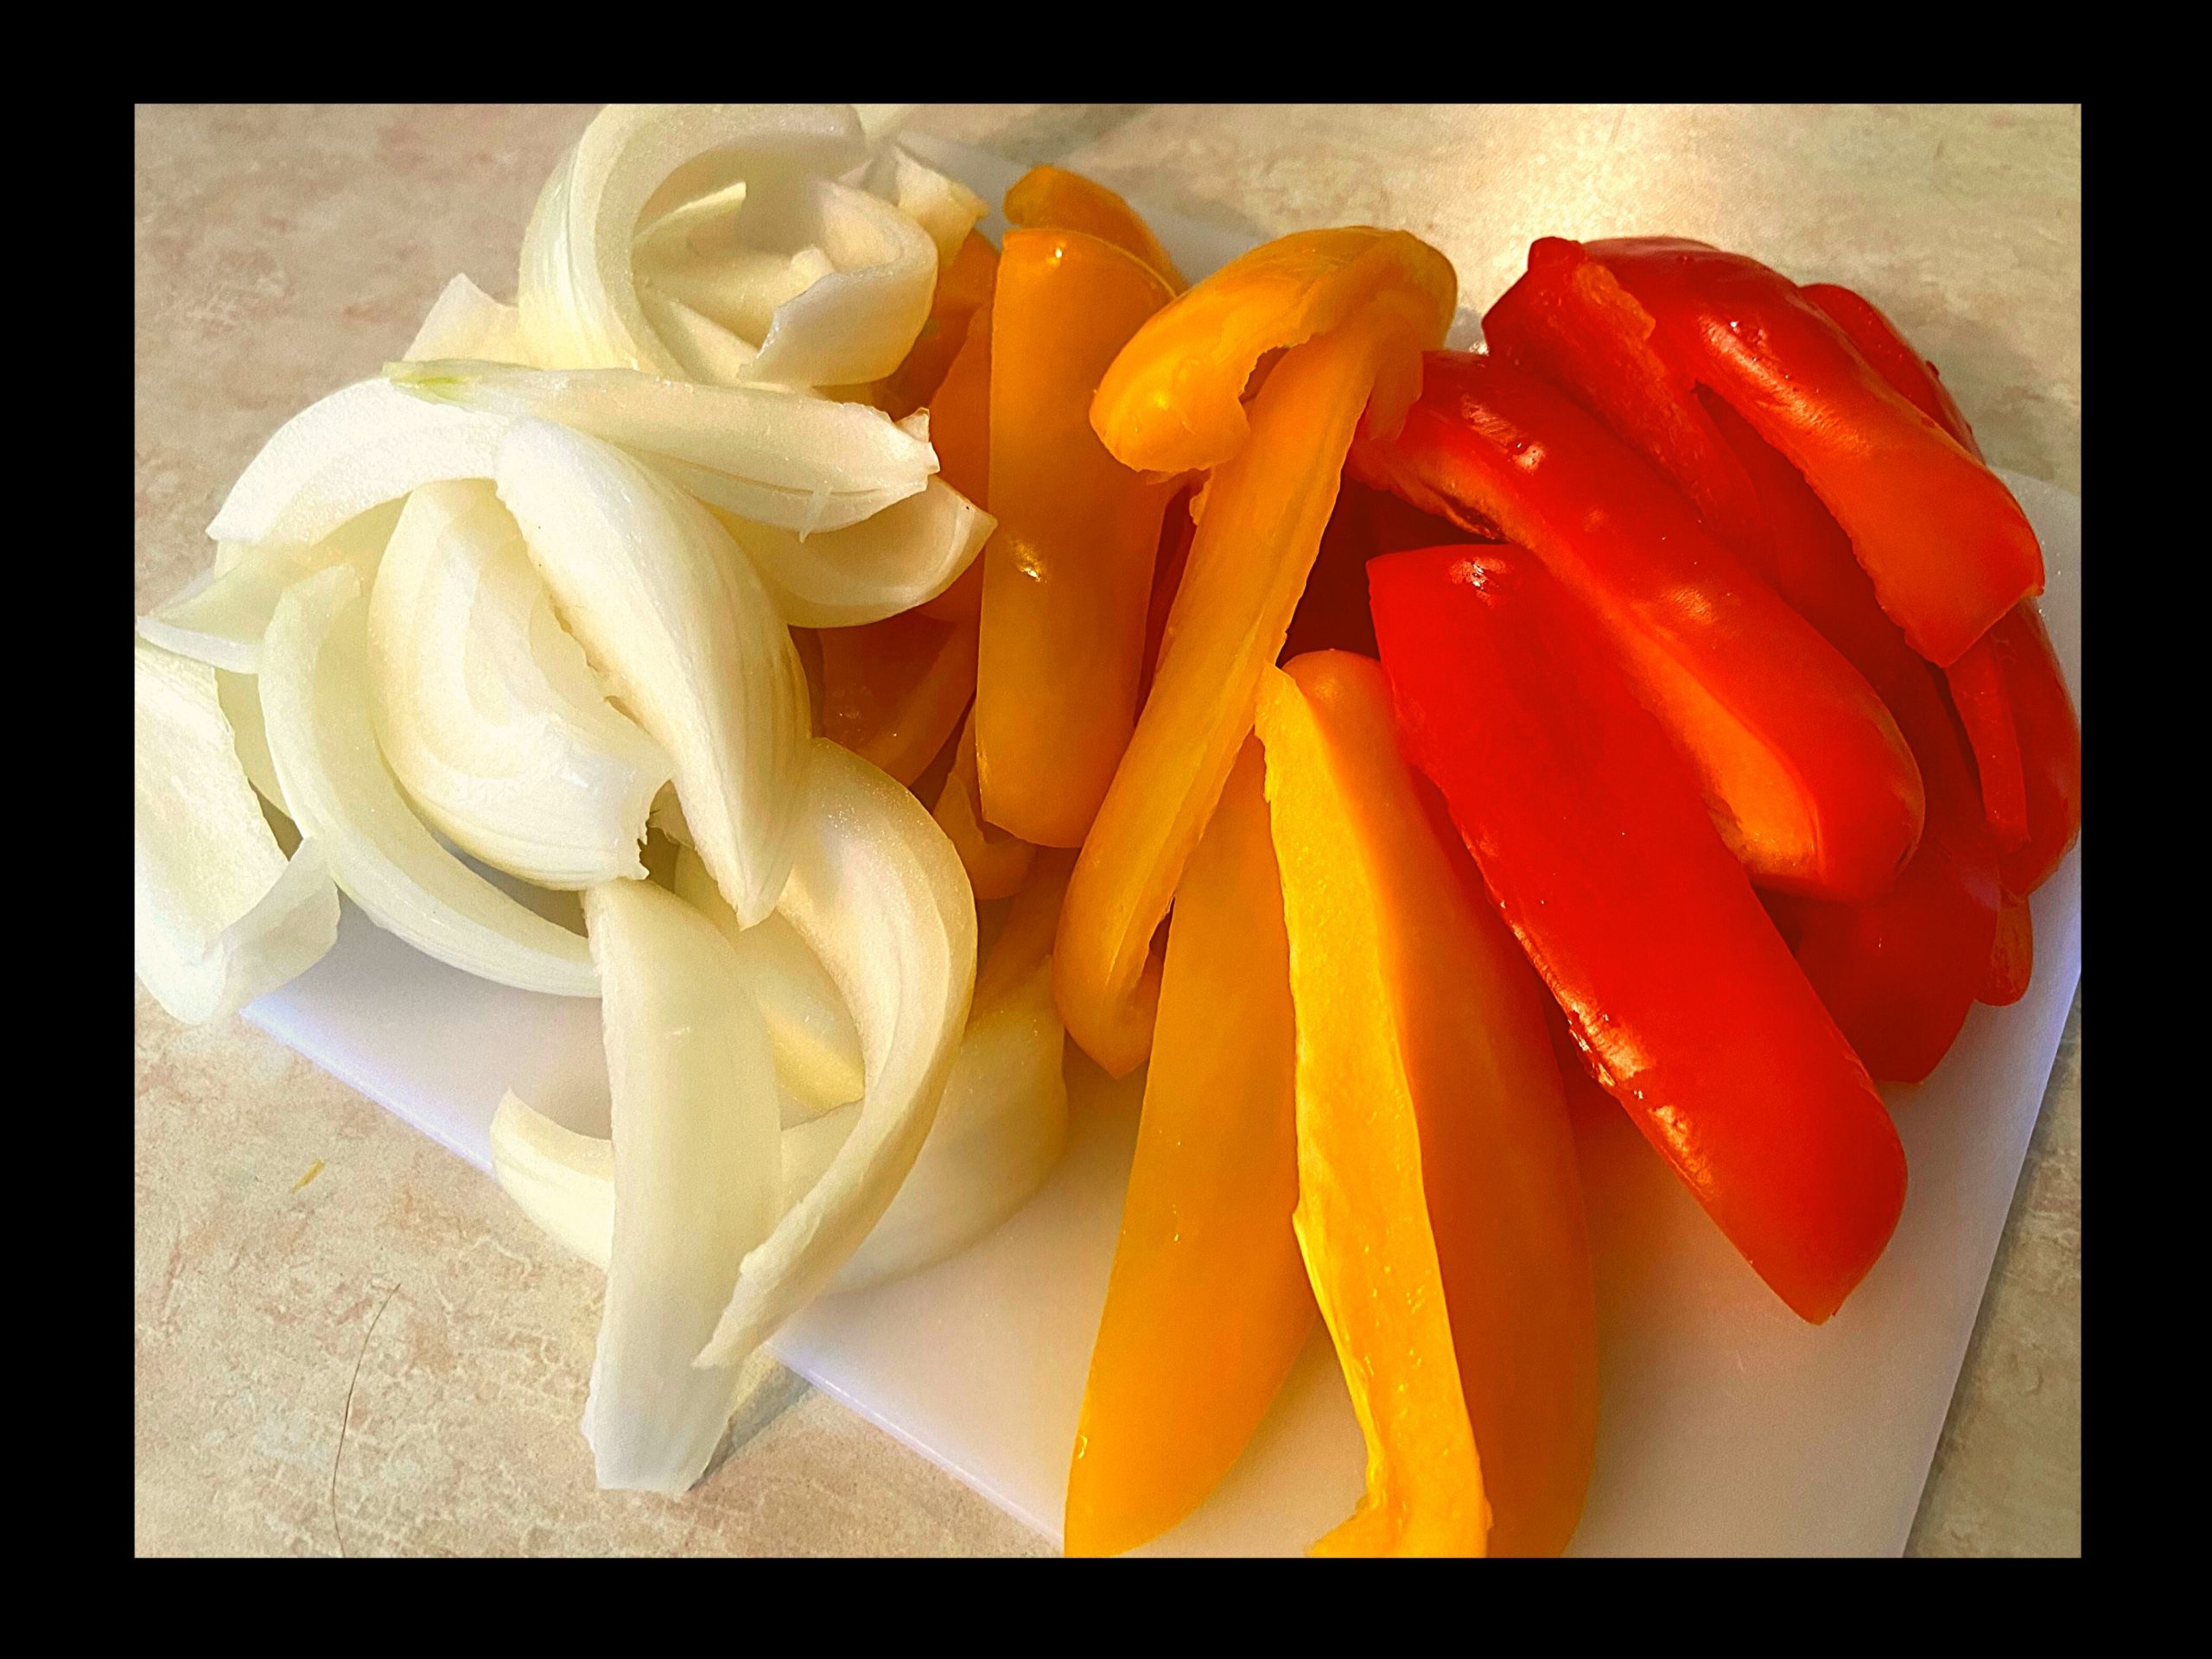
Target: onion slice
column 817, row 1046
column 561, row 1181
column 220, row 618
column 782, row 458
column 694, row 1179
column 945, row 208
column 486, row 709
column 315, row 697
column 240, row 695
column 877, row 891
column 219, row 915
column 465, row 321
column 688, row 638
column 902, row 557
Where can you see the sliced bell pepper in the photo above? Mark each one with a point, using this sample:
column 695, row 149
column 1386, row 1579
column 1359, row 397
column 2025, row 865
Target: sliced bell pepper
column 1948, row 548
column 1208, row 1304
column 963, row 288
column 997, row 863
column 1177, row 528
column 1357, row 307
column 1808, row 779
column 1053, row 197
column 2009, row 689
column 1067, row 574
column 2012, row 957
column 894, row 692
column 1388, row 918
column 960, row 429
column 1592, row 837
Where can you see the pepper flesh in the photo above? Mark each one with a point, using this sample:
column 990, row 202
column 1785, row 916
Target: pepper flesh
column 1068, row 572
column 960, row 431
column 1363, row 1218
column 1591, row 838
column 1948, row 548
column 963, row 288
column 997, row 863
column 1382, row 297
column 1208, row 1304
column 893, row 691
column 1054, row 197
column 1808, row 780
column 1466, row 1019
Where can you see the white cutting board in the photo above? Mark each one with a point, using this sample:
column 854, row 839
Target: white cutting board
column 1727, row 1427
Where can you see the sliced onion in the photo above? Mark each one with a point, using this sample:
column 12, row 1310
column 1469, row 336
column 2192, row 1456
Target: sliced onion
column 240, row 695
column 465, row 321
column 316, row 696
column 784, row 458
column 487, row 712
column 561, row 1181
column 358, row 448
column 688, row 638
column 905, row 555
column 694, row 1179
column 632, row 166
column 220, row 618
column 219, row 915
column 945, row 208
column 817, row 1046
column 878, row 893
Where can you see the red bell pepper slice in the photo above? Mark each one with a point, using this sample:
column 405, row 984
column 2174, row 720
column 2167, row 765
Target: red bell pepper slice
column 1949, row 549
column 2009, row 689
column 1594, row 841
column 1809, row 781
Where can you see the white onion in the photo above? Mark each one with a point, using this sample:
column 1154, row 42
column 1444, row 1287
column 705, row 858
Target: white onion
column 945, row 208
column 465, row 321
column 890, row 561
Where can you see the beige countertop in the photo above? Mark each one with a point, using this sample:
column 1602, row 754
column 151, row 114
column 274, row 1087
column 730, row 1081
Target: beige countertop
column 386, row 1359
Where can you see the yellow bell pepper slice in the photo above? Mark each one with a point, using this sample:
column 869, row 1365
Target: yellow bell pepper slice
column 1266, row 503
column 1067, row 574
column 960, row 429
column 963, row 288
column 997, row 863
column 1064, row 200
column 1208, row 1306
column 893, row 691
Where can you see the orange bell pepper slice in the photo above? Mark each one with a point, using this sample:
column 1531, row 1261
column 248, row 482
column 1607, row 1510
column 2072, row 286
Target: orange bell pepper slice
column 1357, row 306
column 960, row 428
column 997, row 863
column 963, row 288
column 1068, row 573
column 893, row 691
column 1427, row 1085
column 1054, row 197
column 1207, row 1307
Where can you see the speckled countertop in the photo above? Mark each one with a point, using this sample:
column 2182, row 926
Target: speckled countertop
column 385, row 1359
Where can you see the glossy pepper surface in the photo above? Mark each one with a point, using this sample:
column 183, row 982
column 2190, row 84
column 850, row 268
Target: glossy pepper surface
column 1592, row 840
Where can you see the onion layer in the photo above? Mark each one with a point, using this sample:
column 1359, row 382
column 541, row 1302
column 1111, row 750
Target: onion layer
column 316, row 696
column 486, row 710
column 465, row 321
column 902, row 557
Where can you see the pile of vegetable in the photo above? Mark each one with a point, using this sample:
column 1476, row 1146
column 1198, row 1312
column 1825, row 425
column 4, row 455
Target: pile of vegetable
column 914, row 652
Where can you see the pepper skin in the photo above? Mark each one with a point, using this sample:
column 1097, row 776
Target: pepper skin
column 1591, row 838
column 1208, row 1306
column 1808, row 779
column 1054, row 197
column 960, row 430
column 894, row 692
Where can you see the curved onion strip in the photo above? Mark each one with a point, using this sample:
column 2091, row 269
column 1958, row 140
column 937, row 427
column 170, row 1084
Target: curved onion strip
column 360, row 447
column 694, row 1178
column 561, row 1181
column 687, row 637
column 240, row 695
column 945, row 208
column 486, row 709
column 784, row 458
column 220, row 618
column 634, row 164
column 877, row 892
column 896, row 559
column 465, row 321
column 218, row 914
column 817, row 1046
column 315, row 695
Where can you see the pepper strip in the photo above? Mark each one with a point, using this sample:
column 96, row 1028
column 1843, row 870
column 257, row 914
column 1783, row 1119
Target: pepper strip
column 1594, row 842
column 997, row 863
column 1068, row 573
column 1498, row 1170
column 893, row 691
column 1382, row 297
column 1054, row 197
column 963, row 288
column 1363, row 1219
column 960, row 431
column 1208, row 1306
column 1808, row 779
column 1948, row 548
